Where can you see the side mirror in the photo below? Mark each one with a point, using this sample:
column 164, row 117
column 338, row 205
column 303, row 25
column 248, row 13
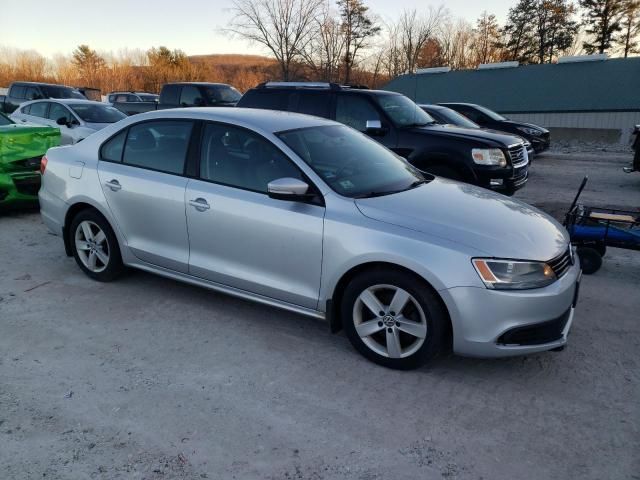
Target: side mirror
column 62, row 122
column 374, row 127
column 288, row 189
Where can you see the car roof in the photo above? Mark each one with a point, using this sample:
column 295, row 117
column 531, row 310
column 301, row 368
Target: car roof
column 44, row 84
column 295, row 88
column 204, row 84
column 130, row 92
column 271, row 121
column 458, row 103
column 65, row 101
column 432, row 106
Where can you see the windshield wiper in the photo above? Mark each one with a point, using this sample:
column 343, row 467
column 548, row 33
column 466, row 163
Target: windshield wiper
column 374, row 193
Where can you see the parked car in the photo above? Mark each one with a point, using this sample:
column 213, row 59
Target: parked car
column 447, row 116
column 186, row 94
column 635, row 145
column 77, row 119
column 20, row 92
column 538, row 136
column 489, row 160
column 21, row 149
column 90, row 93
column 133, row 97
column 309, row 215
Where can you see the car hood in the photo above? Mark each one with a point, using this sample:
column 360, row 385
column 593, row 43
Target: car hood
column 478, row 134
column 490, row 223
column 515, row 124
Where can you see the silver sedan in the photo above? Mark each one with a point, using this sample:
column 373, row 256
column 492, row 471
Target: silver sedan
column 311, row 216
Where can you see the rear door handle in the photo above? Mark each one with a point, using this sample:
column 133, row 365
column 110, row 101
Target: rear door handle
column 114, row 185
column 200, row 204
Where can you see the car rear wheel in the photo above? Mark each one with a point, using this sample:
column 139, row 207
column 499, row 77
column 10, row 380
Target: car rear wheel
column 393, row 318
column 95, row 246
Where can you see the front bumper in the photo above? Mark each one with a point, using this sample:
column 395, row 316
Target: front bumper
column 541, row 143
column 19, row 188
column 504, row 180
column 499, row 323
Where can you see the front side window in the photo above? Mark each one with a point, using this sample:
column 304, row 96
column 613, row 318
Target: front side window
column 355, row 111
column 238, row 158
column 158, row 146
column 26, row 109
column 403, row 111
column 55, row 91
column 190, row 96
column 18, row 91
column 351, row 163
column 222, row 94
column 97, row 113
column 32, row 93
column 39, row 109
column 491, row 114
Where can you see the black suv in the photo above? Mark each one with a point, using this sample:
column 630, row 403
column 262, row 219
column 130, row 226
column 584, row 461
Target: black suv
column 20, row 92
column 491, row 160
column 538, row 136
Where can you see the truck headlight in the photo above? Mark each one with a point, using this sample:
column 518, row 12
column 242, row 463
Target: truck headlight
column 489, row 156
column 513, row 274
column 530, row 131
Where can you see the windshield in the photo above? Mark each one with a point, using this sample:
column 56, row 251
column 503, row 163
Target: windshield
column 148, row 97
column 5, row 120
column 490, row 113
column 222, row 94
column 93, row 113
column 403, row 111
column 61, row 92
column 351, row 163
column 454, row 118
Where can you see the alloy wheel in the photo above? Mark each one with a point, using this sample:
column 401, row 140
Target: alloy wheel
column 390, row 321
column 92, row 246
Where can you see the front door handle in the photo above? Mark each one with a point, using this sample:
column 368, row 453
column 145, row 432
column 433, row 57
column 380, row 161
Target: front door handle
column 114, row 185
column 200, row 204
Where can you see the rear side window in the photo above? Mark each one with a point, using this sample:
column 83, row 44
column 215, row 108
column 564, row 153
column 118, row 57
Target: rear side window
column 39, row 109
column 269, row 100
column 18, row 91
column 471, row 113
column 315, row 104
column 158, row 146
column 112, row 149
column 170, row 94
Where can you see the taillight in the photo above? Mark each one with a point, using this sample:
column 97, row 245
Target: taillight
column 43, row 165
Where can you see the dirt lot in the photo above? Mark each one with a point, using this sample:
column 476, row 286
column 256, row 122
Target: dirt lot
column 146, row 378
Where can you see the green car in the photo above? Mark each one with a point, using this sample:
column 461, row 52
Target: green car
column 21, row 149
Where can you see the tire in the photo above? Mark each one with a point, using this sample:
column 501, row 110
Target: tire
column 601, row 249
column 417, row 330
column 95, row 246
column 590, row 260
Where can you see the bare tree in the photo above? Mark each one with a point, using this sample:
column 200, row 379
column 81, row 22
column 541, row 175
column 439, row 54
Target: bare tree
column 284, row 27
column 456, row 40
column 324, row 52
column 415, row 30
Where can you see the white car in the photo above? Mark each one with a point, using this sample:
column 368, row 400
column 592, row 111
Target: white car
column 77, row 119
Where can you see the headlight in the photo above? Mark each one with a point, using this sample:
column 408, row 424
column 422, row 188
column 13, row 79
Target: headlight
column 530, row 131
column 513, row 275
column 489, row 156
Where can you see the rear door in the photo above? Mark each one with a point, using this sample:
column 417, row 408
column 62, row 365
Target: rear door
column 141, row 171
column 239, row 236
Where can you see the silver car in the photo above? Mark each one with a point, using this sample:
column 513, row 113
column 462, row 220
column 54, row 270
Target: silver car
column 76, row 119
column 309, row 215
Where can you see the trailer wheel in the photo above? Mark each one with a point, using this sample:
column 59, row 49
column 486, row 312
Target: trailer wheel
column 590, row 260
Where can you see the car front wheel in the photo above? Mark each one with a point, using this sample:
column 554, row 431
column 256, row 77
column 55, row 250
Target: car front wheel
column 393, row 318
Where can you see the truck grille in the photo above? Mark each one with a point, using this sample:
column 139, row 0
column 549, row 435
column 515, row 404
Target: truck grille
column 561, row 264
column 518, row 154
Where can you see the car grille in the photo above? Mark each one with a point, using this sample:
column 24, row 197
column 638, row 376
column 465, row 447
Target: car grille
column 561, row 264
column 538, row 334
column 28, row 185
column 518, row 156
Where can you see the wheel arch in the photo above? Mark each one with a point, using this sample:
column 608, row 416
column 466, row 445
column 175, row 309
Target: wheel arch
column 74, row 210
column 333, row 303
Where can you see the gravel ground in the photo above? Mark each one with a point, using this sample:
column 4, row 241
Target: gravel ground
column 147, row 378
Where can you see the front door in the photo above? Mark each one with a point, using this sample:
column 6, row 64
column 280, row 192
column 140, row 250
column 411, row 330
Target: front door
column 239, row 236
column 142, row 178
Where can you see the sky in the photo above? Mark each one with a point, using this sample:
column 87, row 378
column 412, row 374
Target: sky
column 58, row 26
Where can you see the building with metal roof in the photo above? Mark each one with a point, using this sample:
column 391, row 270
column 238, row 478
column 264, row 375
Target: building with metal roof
column 589, row 98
